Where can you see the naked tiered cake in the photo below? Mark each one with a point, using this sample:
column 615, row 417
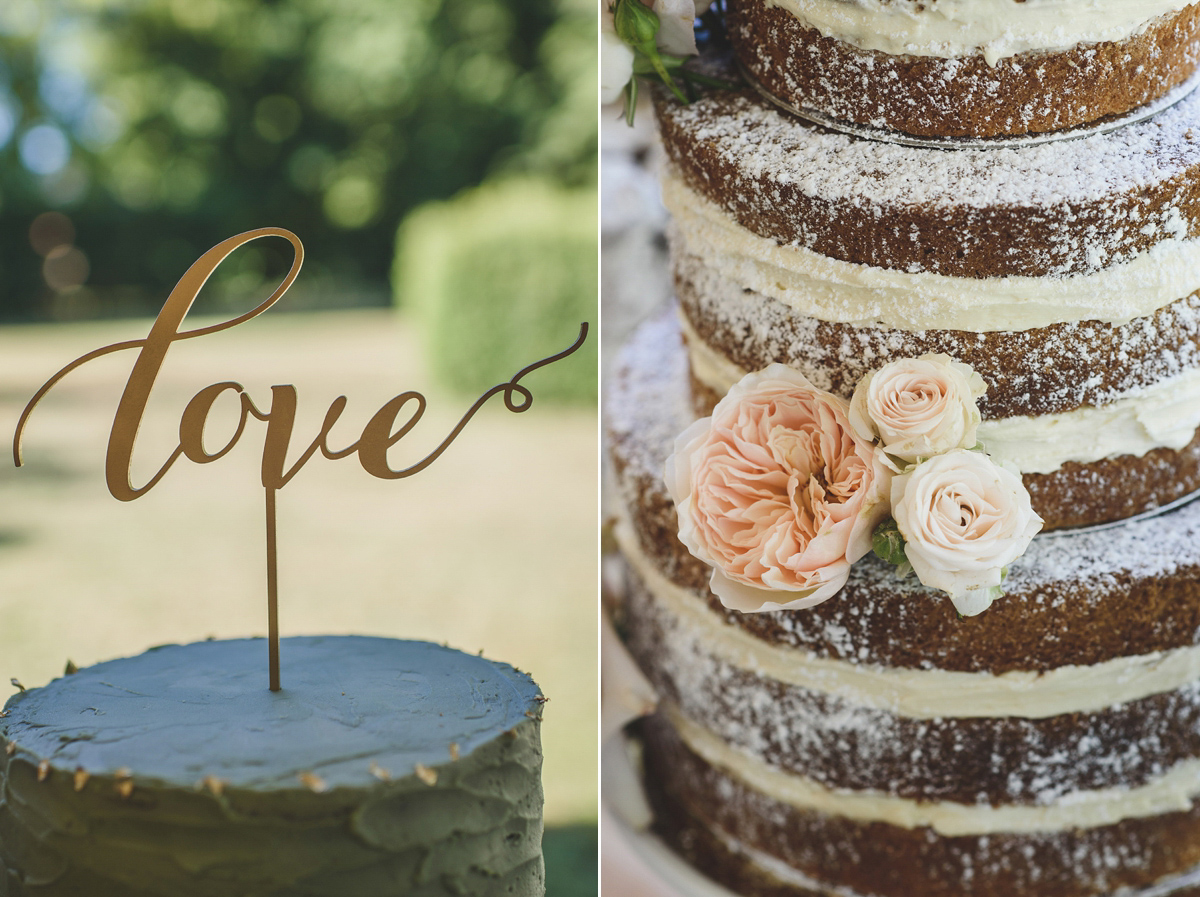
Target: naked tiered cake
column 828, row 724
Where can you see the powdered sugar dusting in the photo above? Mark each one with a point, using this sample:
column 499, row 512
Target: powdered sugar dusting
column 765, row 142
column 645, row 414
column 877, row 858
column 1045, row 210
column 649, row 398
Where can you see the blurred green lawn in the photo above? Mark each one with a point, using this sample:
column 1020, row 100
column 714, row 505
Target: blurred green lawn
column 493, row 547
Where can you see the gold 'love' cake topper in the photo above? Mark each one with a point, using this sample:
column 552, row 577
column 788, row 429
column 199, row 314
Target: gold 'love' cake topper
column 391, row 423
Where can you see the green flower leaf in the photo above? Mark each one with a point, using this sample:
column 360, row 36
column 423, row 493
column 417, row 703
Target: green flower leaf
column 630, row 95
column 888, row 542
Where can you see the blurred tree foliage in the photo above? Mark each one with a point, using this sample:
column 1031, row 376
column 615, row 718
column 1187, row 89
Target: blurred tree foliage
column 159, row 127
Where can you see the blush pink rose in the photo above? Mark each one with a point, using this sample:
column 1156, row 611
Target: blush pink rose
column 915, row 408
column 777, row 493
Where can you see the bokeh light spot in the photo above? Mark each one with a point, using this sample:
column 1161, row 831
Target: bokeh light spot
column 64, row 92
column 66, row 268
column 485, row 78
column 200, row 110
column 351, row 201
column 101, row 124
column 49, row 231
column 184, row 182
column 199, row 15
column 44, row 149
column 135, row 181
column 20, row 17
column 309, row 166
column 67, row 187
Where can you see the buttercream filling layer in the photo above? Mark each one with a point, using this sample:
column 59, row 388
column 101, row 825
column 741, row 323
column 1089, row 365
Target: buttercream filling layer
column 778, row 869
column 1172, row 792
column 995, row 28
column 1165, row 415
column 781, row 871
column 921, row 694
column 843, row 292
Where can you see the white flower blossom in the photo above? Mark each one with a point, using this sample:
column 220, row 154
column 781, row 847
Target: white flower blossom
column 616, row 61
column 964, row 520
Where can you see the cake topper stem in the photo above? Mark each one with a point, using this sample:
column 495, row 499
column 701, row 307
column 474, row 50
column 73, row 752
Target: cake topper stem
column 272, row 595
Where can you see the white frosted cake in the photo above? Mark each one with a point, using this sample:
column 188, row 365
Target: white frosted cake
column 384, row 767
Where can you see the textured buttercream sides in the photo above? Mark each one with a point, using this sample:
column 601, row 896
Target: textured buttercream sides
column 994, row 28
column 383, row 767
column 832, row 290
column 1173, row 792
column 1165, row 415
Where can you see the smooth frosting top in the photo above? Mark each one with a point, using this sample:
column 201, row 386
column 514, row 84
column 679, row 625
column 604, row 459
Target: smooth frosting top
column 995, row 28
column 179, row 713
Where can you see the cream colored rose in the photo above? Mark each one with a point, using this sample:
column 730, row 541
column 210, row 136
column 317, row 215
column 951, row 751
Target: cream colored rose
column 676, row 31
column 918, row 407
column 776, row 493
column 964, row 520
column 616, row 60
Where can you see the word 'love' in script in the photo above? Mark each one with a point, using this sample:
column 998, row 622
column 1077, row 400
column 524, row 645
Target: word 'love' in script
column 391, row 423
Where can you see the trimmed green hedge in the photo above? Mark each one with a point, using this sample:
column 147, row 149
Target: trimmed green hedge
column 500, row 276
column 572, row 855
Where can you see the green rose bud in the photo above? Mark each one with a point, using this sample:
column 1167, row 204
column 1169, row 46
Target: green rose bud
column 637, row 25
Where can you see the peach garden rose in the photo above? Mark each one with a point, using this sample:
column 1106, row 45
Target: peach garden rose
column 915, row 408
column 777, row 493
